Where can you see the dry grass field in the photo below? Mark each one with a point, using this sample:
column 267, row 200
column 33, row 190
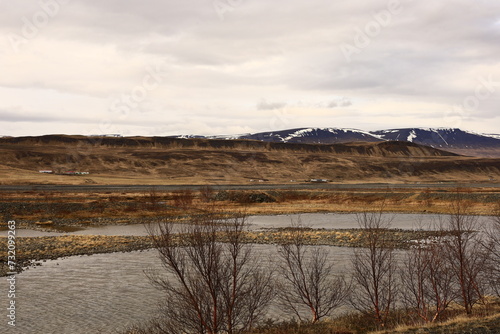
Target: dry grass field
column 66, row 208
column 486, row 320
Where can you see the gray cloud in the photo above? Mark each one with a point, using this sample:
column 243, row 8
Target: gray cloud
column 341, row 102
column 332, row 104
column 17, row 116
column 264, row 105
column 425, row 59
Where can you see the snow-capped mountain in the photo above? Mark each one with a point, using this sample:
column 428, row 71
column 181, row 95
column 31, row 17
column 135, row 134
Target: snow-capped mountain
column 315, row 136
column 450, row 139
column 445, row 138
column 492, row 135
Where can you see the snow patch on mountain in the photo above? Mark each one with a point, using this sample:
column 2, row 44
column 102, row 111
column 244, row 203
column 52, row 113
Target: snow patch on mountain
column 366, row 133
column 412, row 136
column 442, row 137
column 336, row 131
column 491, row 135
column 298, row 133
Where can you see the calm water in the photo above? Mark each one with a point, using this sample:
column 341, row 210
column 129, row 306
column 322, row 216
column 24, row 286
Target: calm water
column 84, row 294
column 315, row 220
column 105, row 293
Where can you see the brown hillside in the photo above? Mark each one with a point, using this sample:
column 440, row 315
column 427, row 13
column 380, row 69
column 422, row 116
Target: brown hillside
column 164, row 160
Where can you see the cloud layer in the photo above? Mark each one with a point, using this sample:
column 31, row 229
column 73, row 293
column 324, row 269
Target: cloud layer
column 226, row 66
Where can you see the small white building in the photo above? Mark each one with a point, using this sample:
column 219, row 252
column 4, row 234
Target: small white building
column 319, row 180
column 72, row 172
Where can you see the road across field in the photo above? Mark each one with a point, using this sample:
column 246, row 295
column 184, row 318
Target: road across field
column 260, row 186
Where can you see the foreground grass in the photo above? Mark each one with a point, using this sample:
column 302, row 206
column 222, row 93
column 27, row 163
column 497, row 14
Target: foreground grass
column 460, row 325
column 484, row 322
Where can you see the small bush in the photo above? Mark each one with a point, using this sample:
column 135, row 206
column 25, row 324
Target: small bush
column 222, row 195
column 258, row 198
column 244, row 197
column 207, row 194
column 183, row 198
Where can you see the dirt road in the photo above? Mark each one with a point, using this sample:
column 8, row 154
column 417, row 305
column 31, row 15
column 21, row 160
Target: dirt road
column 259, row 186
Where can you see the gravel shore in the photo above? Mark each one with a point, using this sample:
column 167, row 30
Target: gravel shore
column 30, row 250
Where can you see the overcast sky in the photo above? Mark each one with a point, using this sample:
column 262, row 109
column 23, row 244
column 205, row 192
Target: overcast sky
column 164, row 67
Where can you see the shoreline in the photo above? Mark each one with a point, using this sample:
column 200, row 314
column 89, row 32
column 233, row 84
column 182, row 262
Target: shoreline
column 36, row 249
column 33, row 250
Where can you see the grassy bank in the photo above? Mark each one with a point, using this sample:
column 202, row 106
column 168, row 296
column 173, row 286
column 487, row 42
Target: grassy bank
column 484, row 320
column 459, row 325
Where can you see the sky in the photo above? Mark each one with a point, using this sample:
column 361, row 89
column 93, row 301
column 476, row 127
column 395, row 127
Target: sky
column 215, row 67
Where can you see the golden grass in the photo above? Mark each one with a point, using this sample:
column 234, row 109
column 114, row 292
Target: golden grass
column 461, row 324
column 484, row 322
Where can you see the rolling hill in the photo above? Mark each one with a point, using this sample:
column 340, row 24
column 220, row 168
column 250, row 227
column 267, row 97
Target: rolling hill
column 166, row 160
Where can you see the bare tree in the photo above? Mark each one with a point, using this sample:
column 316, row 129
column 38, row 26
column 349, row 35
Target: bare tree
column 427, row 280
column 492, row 244
column 464, row 251
column 212, row 283
column 308, row 277
column 374, row 268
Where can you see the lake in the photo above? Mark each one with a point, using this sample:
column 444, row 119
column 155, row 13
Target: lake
column 108, row 292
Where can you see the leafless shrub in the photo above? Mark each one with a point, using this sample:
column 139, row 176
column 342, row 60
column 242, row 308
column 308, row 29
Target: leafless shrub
column 464, row 251
column 210, row 286
column 374, row 268
column 308, row 279
column 492, row 244
column 427, row 281
column 183, row 199
column 207, row 194
column 153, row 199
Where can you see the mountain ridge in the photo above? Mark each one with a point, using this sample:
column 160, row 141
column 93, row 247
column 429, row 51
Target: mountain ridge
column 450, row 139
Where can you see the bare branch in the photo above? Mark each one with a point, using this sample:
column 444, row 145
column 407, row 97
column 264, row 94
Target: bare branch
column 308, row 277
column 212, row 281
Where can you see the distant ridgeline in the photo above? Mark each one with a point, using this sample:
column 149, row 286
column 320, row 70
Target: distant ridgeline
column 151, row 160
column 450, row 139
